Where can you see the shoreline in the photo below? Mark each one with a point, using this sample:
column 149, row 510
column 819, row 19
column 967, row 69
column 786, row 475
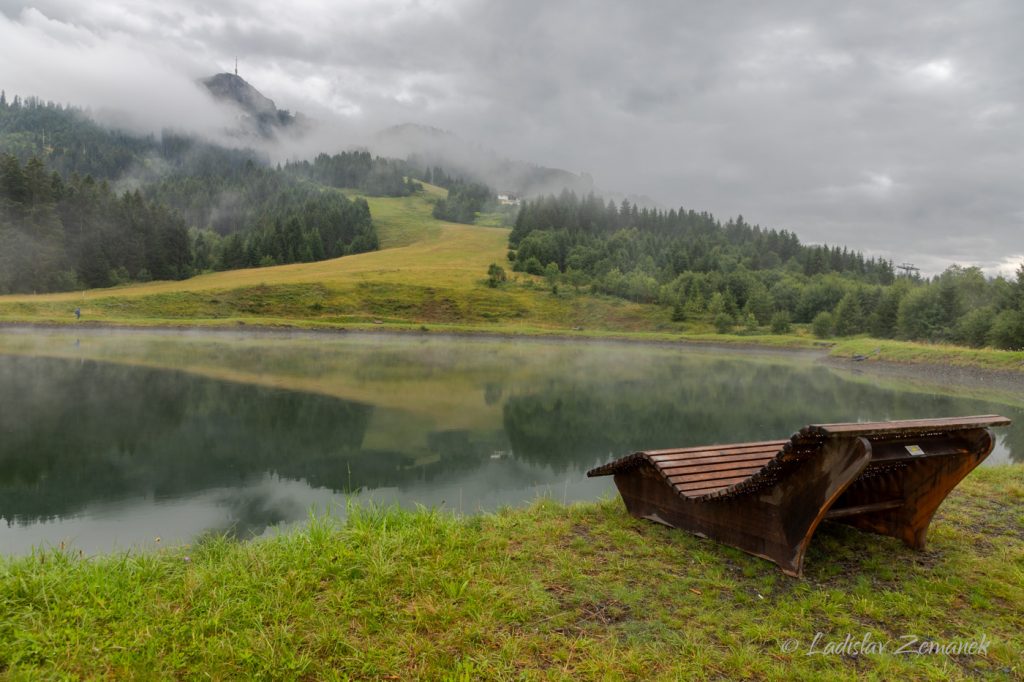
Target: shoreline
column 969, row 376
column 423, row 331
column 949, row 377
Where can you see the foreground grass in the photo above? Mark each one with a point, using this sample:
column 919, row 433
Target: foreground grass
column 548, row 592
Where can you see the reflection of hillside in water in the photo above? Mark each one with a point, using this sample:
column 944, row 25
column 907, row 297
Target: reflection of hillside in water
column 698, row 401
column 79, row 433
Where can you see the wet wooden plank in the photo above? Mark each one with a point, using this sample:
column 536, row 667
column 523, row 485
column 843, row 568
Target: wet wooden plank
column 703, row 491
column 745, row 472
column 892, row 452
column 705, row 448
column 717, row 452
column 755, row 465
column 715, row 459
column 698, row 492
column 908, row 425
column 863, row 509
column 718, row 483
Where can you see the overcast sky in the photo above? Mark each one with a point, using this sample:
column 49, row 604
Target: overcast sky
column 892, row 127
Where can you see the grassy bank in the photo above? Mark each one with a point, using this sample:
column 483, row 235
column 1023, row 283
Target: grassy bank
column 932, row 353
column 548, row 592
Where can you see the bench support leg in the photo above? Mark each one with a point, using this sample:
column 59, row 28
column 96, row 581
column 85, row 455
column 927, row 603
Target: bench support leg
column 804, row 497
column 924, row 485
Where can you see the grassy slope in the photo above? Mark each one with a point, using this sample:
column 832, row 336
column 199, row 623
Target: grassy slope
column 427, row 272
column 542, row 593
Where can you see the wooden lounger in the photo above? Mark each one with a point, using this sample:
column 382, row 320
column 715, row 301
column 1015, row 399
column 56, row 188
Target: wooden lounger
column 768, row 498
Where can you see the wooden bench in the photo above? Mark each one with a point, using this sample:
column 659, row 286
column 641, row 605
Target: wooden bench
column 767, row 498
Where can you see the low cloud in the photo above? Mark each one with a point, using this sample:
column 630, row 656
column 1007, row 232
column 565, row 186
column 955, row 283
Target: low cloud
column 890, row 128
column 116, row 76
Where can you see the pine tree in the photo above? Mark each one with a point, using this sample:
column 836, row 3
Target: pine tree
column 13, row 185
column 849, row 317
column 37, row 182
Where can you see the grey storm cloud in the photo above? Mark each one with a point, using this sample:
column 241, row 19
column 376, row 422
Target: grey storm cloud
column 894, row 128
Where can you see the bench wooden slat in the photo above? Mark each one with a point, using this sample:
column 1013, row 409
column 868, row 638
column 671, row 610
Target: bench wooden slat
column 682, row 482
column 772, row 449
column 704, row 491
column 715, row 485
column 683, row 465
column 888, row 452
column 908, row 425
column 710, row 472
column 703, row 448
column 756, row 464
column 863, row 508
column 712, row 476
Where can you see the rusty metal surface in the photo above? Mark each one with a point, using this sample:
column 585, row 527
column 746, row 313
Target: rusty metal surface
column 767, row 498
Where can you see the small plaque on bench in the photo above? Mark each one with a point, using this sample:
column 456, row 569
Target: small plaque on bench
column 915, row 450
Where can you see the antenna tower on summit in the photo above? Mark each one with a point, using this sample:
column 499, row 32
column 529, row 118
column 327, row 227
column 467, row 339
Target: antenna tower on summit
column 236, row 66
column 908, row 269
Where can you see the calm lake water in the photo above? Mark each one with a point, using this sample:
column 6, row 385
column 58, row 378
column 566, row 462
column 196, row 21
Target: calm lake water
column 109, row 440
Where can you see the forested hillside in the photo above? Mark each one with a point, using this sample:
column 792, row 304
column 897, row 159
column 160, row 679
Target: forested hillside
column 465, row 200
column 56, row 236
column 84, row 206
column 68, row 139
column 358, row 170
column 245, row 213
column 742, row 275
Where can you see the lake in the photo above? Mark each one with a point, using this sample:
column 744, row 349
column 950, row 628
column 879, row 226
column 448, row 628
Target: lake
column 113, row 439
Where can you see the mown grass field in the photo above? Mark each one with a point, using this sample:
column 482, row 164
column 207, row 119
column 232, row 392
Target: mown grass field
column 429, row 274
column 548, row 592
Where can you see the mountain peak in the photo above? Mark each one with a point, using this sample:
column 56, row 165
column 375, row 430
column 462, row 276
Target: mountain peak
column 259, row 109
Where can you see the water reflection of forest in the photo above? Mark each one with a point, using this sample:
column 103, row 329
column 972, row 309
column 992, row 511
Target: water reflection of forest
column 82, row 432
column 699, row 402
